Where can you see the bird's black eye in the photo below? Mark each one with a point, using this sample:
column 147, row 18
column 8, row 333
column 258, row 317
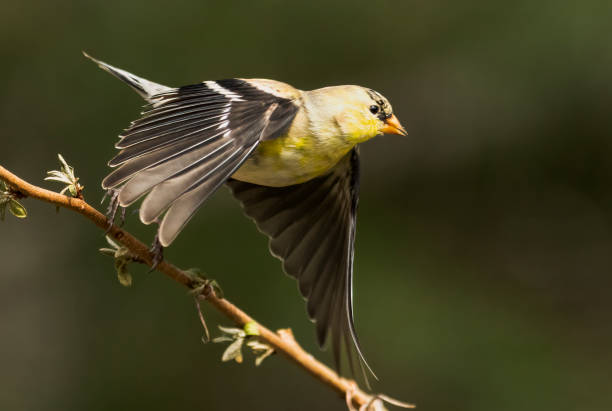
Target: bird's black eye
column 374, row 109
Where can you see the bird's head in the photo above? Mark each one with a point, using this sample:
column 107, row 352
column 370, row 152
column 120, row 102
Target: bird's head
column 364, row 113
column 386, row 122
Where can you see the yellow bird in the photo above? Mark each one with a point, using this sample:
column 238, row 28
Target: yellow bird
column 289, row 156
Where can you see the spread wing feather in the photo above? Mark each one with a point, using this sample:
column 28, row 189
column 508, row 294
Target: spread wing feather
column 311, row 227
column 188, row 142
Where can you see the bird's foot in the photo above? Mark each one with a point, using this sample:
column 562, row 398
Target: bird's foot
column 113, row 206
column 157, row 252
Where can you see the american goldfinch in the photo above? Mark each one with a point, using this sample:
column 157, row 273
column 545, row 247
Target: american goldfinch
column 289, row 156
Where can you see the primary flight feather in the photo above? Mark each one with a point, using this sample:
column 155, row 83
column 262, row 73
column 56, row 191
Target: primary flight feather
column 289, row 156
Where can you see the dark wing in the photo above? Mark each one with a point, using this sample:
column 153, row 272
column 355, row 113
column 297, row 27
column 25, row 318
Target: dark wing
column 312, row 230
column 188, row 143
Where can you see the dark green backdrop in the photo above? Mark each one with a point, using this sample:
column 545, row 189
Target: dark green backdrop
column 484, row 244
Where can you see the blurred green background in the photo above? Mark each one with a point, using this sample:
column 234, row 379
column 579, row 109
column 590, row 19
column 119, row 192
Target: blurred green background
column 484, row 244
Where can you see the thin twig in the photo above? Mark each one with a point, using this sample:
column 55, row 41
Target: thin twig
column 206, row 337
column 282, row 342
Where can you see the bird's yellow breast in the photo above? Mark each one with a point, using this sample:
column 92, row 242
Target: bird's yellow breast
column 291, row 160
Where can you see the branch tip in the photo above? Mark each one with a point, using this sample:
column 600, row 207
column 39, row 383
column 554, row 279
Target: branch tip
column 282, row 342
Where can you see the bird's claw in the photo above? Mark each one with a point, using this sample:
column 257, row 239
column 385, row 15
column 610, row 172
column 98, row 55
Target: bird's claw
column 113, row 206
column 157, row 252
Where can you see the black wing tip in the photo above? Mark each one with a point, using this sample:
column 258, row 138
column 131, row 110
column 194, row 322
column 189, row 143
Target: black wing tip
column 349, row 342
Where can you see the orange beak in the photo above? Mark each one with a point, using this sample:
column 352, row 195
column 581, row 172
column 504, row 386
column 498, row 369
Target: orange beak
column 393, row 126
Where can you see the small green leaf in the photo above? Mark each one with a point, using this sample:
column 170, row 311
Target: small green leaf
column 262, row 350
column 258, row 346
column 198, row 277
column 107, row 251
column 262, row 357
column 222, row 338
column 17, row 209
column 233, row 351
column 122, row 257
column 124, row 277
column 112, row 243
column 251, row 328
column 63, row 163
column 393, row 401
column 378, row 405
column 216, row 288
column 233, row 331
column 65, row 175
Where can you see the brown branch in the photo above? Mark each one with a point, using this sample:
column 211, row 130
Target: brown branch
column 283, row 341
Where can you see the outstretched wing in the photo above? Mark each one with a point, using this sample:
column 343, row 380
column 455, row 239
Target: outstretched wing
column 311, row 227
column 188, row 143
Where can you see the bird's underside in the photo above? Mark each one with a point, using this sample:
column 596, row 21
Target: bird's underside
column 191, row 140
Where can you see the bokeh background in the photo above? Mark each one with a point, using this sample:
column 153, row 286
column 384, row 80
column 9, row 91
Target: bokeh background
column 484, row 245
